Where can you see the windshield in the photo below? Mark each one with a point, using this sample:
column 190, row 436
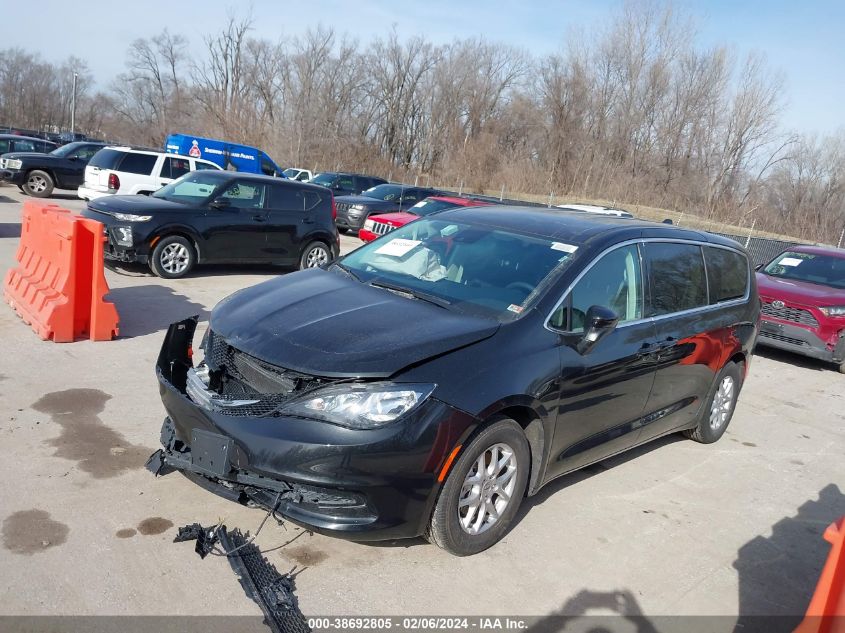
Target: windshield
column 193, row 188
column 325, row 180
column 291, row 173
column 385, row 192
column 824, row 270
column 468, row 268
column 429, row 206
column 66, row 150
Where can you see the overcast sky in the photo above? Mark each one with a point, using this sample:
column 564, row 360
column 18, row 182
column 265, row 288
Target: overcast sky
column 801, row 38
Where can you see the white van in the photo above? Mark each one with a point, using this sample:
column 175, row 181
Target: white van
column 124, row 170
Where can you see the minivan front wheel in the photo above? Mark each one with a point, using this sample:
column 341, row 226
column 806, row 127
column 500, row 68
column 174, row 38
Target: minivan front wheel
column 316, row 254
column 173, row 257
column 719, row 408
column 483, row 491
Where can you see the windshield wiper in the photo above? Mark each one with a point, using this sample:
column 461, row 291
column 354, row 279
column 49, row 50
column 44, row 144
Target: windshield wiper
column 346, row 270
column 416, row 294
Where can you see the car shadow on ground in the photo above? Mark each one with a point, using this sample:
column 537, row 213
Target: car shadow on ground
column 7, row 200
column 10, row 229
column 148, row 309
column 204, row 270
column 778, row 573
column 601, row 612
column 784, row 356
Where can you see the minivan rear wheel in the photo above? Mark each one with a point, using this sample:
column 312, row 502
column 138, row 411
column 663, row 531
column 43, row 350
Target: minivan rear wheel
column 719, row 407
column 483, row 491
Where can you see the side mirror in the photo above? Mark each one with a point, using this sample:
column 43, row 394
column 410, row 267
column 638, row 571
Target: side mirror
column 758, row 266
column 218, row 203
column 599, row 323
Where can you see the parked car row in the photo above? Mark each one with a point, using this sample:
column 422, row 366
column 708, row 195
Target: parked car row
column 216, row 216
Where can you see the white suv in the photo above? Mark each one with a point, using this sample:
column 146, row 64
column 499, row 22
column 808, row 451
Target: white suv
column 124, row 170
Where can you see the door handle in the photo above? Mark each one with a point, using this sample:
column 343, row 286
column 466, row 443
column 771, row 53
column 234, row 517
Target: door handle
column 259, row 218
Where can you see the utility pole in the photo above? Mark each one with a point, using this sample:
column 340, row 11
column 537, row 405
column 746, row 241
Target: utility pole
column 73, row 109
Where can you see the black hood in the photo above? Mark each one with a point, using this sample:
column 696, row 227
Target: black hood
column 139, row 205
column 324, row 324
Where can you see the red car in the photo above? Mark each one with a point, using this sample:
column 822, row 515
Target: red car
column 803, row 295
column 378, row 225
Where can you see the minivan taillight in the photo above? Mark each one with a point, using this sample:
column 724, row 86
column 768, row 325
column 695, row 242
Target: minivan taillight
column 114, row 182
column 334, row 209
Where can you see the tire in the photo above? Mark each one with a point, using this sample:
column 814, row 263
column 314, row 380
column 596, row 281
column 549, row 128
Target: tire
column 173, row 257
column 38, row 184
column 717, row 411
column 841, row 367
column 446, row 529
column 314, row 255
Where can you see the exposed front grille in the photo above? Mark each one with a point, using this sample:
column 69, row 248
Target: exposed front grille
column 382, row 228
column 343, row 206
column 236, row 375
column 786, row 313
column 783, row 339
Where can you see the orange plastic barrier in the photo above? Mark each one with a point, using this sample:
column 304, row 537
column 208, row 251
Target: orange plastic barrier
column 826, row 613
column 58, row 285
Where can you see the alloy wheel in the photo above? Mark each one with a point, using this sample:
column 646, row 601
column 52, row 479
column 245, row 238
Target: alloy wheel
column 487, row 489
column 36, row 184
column 722, row 403
column 174, row 258
column 316, row 257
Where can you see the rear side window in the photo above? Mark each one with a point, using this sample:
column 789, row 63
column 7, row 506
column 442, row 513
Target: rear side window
column 727, row 274
column 106, row 158
column 345, row 182
column 676, row 277
column 293, row 198
column 134, row 163
column 4, row 146
column 175, row 167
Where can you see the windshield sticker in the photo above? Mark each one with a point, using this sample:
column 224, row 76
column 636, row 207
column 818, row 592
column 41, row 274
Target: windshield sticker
column 790, row 261
column 515, row 308
column 566, row 248
column 398, row 247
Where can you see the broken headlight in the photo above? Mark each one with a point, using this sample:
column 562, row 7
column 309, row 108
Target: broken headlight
column 366, row 406
column 123, row 235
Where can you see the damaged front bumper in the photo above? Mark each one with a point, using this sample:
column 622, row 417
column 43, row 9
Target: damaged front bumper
column 369, row 484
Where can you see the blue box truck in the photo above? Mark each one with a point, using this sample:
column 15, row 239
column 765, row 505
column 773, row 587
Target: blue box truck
column 229, row 156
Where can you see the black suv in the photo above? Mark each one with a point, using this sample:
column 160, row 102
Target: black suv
column 344, row 184
column 427, row 382
column 353, row 211
column 219, row 216
column 38, row 174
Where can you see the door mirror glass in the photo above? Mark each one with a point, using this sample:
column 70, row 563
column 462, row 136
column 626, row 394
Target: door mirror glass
column 600, row 322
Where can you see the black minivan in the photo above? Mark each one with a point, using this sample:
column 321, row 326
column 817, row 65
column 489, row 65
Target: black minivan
column 428, row 381
column 211, row 216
